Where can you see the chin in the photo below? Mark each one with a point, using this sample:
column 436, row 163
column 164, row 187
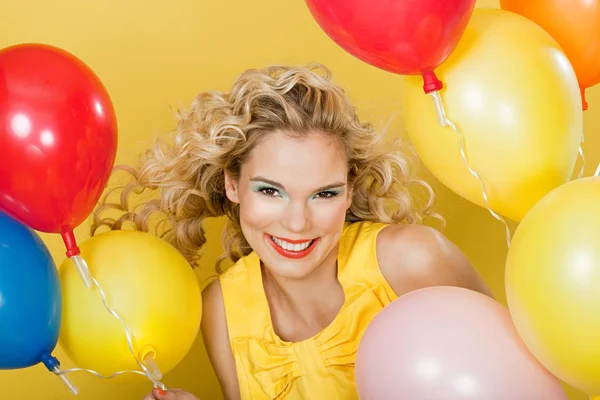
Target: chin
column 292, row 271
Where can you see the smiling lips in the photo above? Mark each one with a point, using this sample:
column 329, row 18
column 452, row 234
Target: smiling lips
column 292, row 248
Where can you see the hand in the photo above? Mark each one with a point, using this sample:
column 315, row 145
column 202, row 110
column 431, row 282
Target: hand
column 171, row 394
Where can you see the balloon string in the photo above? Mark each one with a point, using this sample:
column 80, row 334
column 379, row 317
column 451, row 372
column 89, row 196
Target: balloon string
column 145, row 371
column 445, row 121
column 597, row 173
column 582, row 155
column 156, row 383
column 580, row 174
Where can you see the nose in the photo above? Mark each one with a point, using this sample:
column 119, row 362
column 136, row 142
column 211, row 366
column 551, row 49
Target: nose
column 296, row 217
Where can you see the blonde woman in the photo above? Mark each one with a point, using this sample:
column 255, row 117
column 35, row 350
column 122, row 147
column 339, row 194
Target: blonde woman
column 322, row 226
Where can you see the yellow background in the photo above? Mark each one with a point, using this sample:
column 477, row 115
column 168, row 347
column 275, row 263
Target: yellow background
column 153, row 55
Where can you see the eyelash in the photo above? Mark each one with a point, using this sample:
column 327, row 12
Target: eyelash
column 271, row 192
column 328, row 194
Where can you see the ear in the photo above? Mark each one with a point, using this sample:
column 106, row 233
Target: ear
column 231, row 190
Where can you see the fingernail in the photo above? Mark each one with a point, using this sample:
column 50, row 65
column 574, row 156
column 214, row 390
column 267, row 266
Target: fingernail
column 161, row 392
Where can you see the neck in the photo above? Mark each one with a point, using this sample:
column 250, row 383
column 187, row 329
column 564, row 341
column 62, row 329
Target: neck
column 305, row 289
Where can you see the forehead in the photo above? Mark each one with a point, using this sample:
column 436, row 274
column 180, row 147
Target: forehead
column 316, row 159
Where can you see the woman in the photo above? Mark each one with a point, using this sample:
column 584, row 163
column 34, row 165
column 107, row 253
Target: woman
column 321, row 226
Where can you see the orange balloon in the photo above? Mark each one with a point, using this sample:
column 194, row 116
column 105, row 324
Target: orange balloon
column 575, row 25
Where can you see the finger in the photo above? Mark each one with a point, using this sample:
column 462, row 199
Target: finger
column 160, row 394
column 149, row 397
column 172, row 394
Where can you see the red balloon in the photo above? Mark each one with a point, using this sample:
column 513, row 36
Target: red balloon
column 58, row 135
column 408, row 37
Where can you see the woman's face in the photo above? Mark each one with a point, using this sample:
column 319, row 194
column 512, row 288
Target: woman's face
column 293, row 196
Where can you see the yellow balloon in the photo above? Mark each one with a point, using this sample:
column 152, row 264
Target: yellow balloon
column 149, row 284
column 512, row 92
column 553, row 282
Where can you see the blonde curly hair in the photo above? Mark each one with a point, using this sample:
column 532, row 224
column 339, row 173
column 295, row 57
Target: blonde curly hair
column 218, row 132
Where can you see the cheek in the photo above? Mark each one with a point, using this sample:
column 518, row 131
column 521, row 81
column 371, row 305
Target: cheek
column 330, row 217
column 258, row 213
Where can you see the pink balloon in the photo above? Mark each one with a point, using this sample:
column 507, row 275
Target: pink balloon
column 448, row 343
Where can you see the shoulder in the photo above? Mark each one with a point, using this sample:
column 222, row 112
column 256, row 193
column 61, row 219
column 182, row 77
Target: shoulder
column 212, row 293
column 216, row 339
column 415, row 256
column 214, row 320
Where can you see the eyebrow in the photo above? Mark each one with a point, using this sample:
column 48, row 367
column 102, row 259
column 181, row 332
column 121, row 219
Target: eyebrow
column 280, row 186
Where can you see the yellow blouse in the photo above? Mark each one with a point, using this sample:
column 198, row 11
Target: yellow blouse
column 321, row 367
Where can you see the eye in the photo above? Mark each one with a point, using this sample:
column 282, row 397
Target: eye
column 269, row 192
column 327, row 194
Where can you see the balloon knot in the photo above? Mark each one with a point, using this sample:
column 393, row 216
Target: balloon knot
column 50, row 362
column 70, row 244
column 584, row 103
column 431, row 83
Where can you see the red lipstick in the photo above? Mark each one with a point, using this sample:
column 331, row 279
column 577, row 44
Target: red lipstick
column 291, row 253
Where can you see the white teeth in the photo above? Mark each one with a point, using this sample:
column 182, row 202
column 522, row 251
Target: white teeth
column 290, row 246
